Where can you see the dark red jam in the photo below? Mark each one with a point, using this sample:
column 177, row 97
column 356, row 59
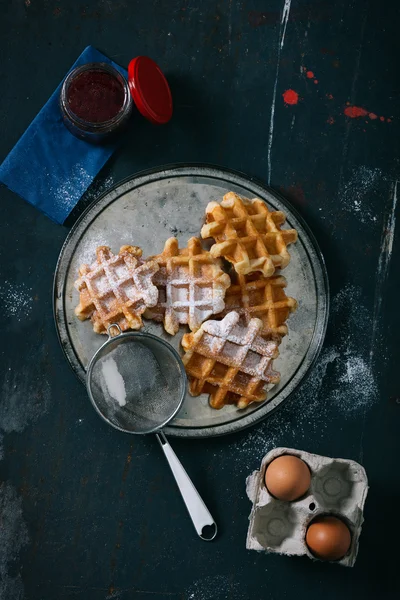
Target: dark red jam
column 95, row 96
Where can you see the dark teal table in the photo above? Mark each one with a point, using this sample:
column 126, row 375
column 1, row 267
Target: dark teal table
column 86, row 512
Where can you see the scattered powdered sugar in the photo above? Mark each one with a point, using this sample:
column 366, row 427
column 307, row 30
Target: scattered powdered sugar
column 357, row 387
column 26, row 395
column 98, row 188
column 354, row 373
column 14, row 536
column 79, row 186
column 354, row 368
column 342, row 381
column 114, row 381
column 354, row 193
column 353, row 381
column 78, row 181
column 216, row 587
column 307, row 409
column 17, row 299
column 87, row 253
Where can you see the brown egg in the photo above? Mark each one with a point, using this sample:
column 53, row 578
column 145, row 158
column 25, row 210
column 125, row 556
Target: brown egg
column 287, row 478
column 328, row 538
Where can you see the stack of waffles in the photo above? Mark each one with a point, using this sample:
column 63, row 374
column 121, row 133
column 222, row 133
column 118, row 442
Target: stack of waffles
column 231, row 357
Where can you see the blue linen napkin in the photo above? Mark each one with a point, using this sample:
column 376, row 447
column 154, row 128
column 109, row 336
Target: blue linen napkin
column 49, row 167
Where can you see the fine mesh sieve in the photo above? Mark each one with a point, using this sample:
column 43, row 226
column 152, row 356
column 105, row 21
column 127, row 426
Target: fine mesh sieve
column 137, row 383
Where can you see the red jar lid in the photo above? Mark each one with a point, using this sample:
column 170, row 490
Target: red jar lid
column 150, row 90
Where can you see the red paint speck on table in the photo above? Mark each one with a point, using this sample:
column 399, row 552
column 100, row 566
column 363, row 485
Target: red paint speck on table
column 290, row 97
column 357, row 111
column 310, row 75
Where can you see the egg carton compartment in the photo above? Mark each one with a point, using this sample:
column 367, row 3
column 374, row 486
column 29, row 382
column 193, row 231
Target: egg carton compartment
column 338, row 487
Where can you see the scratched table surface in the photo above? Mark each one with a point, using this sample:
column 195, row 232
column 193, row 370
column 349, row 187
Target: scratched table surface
column 305, row 97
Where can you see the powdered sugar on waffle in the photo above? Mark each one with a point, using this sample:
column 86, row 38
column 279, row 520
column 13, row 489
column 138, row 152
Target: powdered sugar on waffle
column 102, row 284
column 191, row 285
column 245, row 354
column 241, row 345
column 116, row 288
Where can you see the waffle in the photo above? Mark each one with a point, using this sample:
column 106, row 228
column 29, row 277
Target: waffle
column 261, row 297
column 116, row 289
column 191, row 286
column 248, row 235
column 230, row 361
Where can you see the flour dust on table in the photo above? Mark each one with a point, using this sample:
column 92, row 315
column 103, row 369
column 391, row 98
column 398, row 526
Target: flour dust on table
column 80, row 179
column 356, row 386
column 342, row 380
column 358, row 196
column 97, row 188
column 17, row 299
column 26, row 395
column 215, row 587
column 354, row 193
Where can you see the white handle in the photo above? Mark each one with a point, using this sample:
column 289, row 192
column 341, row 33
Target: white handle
column 198, row 511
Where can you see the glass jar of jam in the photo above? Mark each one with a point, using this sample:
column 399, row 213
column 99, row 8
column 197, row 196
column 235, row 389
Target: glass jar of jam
column 96, row 101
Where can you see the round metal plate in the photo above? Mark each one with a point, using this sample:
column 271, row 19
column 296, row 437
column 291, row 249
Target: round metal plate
column 147, row 209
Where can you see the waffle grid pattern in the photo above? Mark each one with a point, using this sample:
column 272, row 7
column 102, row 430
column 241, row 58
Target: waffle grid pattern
column 116, row 288
column 230, row 362
column 248, row 235
column 253, row 296
column 191, row 286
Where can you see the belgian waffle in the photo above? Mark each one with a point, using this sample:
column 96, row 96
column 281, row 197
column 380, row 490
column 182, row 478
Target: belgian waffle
column 261, row 297
column 116, row 289
column 248, row 235
column 191, row 286
column 229, row 361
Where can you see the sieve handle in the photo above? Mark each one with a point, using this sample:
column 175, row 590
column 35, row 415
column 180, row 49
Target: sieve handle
column 109, row 329
column 202, row 520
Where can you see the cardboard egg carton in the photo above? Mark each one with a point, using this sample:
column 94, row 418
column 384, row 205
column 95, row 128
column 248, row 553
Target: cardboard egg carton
column 338, row 487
